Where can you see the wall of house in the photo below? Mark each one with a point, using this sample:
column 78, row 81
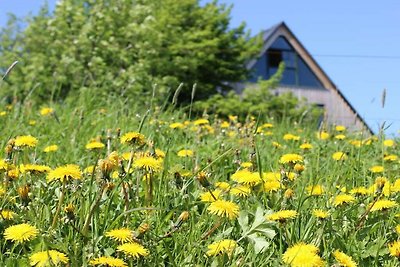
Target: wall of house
column 337, row 111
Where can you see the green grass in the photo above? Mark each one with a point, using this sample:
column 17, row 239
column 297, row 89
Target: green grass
column 218, row 152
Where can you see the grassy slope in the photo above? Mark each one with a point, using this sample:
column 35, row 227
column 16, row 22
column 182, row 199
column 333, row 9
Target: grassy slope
column 217, row 151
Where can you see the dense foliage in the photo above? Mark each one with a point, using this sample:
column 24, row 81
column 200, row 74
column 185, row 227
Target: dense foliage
column 126, row 47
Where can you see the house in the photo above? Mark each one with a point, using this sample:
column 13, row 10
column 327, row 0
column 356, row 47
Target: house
column 303, row 77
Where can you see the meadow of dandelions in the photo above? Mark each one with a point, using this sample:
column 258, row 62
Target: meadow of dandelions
column 103, row 185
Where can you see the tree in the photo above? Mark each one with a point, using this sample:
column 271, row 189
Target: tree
column 128, row 46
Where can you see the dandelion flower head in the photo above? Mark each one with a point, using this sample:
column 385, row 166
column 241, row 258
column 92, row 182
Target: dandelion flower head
column 302, row 255
column 20, row 233
column 133, row 249
column 65, row 172
column 48, row 258
column 343, row 259
column 108, row 261
column 224, row 208
column 25, row 141
column 121, row 235
column 291, row 158
column 226, row 246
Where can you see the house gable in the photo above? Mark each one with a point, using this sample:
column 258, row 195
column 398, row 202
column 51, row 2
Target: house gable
column 314, row 84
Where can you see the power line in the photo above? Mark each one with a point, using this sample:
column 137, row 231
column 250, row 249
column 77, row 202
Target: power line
column 356, row 56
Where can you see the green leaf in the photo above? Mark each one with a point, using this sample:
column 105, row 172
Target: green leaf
column 243, row 220
column 260, row 243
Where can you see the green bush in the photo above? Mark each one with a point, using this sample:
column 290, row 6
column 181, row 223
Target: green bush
column 258, row 100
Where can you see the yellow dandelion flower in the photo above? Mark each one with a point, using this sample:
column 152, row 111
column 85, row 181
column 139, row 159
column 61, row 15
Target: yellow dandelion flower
column 34, row 168
column 20, row 233
column 94, row 145
column 340, row 128
column 276, row 145
column 272, row 186
column 306, row 146
column 51, row 148
column 390, row 158
column 398, row 229
column 246, row 177
column 48, row 258
column 159, row 153
column 339, row 156
column 225, row 124
column 302, row 255
column 291, row 158
column 7, row 214
column 201, row 122
column 133, row 138
column 356, row 143
column 149, row 164
column 46, row 111
column 226, row 246
column 320, row 214
column 69, row 171
column 376, row 169
column 133, row 249
column 315, row 190
column 361, row 191
column 395, row 188
column 240, row 190
column 382, row 205
column 282, row 215
column 185, row 153
column 343, row 199
column 88, row 170
column 394, row 249
column 340, row 137
column 224, row 208
column 176, row 125
column 208, row 197
column 343, row 259
column 233, row 118
column 224, row 186
column 3, row 113
column 272, row 176
column 32, row 122
column 389, row 143
column 108, row 261
column 291, row 176
column 25, row 141
column 322, row 135
column 291, row 137
column 13, row 173
column 246, row 164
column 4, row 165
column 122, row 235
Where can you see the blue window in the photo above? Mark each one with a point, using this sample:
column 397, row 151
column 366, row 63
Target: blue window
column 296, row 73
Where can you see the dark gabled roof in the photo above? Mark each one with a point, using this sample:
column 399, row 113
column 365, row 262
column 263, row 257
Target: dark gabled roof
column 269, row 36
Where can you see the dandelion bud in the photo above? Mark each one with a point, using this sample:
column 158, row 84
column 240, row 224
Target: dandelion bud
column 70, row 210
column 143, row 228
column 23, row 193
column 289, row 193
column 299, row 167
column 202, row 178
column 184, row 216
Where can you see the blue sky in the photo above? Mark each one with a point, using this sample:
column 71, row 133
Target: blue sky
column 356, row 42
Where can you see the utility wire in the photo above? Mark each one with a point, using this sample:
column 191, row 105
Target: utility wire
column 356, row 56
